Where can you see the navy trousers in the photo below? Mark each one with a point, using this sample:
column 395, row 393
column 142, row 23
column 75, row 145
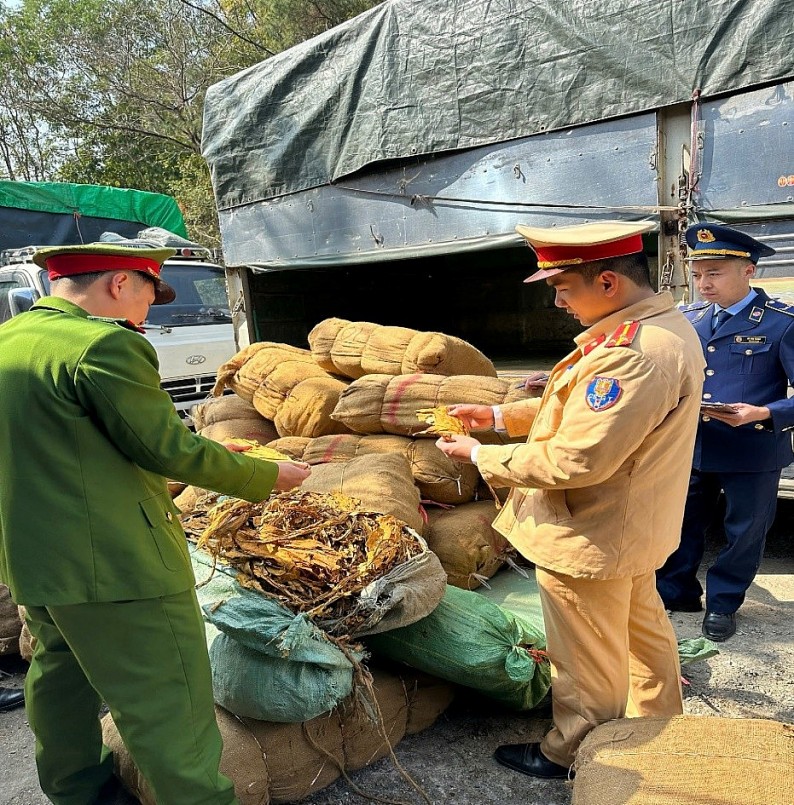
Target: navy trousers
column 751, row 501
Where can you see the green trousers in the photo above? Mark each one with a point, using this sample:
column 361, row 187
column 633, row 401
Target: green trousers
column 148, row 661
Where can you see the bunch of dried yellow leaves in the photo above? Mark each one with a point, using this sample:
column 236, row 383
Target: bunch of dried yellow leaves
column 441, row 422
column 195, row 521
column 313, row 552
column 257, row 450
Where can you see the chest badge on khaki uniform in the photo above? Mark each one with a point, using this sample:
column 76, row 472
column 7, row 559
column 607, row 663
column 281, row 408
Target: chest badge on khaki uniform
column 603, row 393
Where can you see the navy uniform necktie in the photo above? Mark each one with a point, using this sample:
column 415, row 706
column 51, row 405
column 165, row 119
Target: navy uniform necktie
column 720, row 319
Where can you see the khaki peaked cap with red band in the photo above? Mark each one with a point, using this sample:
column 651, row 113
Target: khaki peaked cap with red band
column 563, row 247
column 70, row 261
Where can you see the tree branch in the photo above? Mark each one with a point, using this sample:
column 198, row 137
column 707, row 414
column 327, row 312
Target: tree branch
column 228, row 27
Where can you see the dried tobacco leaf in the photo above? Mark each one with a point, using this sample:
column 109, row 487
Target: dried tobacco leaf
column 311, row 551
column 257, row 450
column 441, row 422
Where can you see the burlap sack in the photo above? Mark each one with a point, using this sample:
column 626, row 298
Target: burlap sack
column 245, row 371
column 463, row 539
column 438, row 477
column 260, row 430
column 222, row 409
column 349, row 346
column 321, row 342
column 10, row 623
column 272, row 378
column 280, row 763
column 275, row 386
column 344, row 447
column 355, row 349
column 231, row 417
column 385, row 404
column 186, row 500
column 292, row 446
column 383, row 483
column 307, row 408
column 686, row 760
column 26, row 640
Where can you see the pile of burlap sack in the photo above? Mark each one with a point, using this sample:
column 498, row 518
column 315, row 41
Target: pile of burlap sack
column 299, row 709
column 347, row 406
column 270, row 762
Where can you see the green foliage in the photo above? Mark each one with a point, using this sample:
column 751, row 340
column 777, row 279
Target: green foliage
column 112, row 92
column 193, row 191
column 116, row 159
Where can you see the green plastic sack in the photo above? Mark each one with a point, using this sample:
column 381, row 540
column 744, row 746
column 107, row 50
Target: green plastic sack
column 516, row 591
column 267, row 663
column 519, row 594
column 257, row 685
column 473, row 642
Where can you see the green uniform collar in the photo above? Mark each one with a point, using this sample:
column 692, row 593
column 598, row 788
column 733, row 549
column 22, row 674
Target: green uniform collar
column 61, row 305
column 65, row 306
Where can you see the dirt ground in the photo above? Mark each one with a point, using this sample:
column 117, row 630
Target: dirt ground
column 752, row 677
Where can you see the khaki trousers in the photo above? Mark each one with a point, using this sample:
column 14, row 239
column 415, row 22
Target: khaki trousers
column 613, row 654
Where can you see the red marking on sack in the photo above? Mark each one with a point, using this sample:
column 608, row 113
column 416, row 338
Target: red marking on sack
column 390, row 413
column 328, row 455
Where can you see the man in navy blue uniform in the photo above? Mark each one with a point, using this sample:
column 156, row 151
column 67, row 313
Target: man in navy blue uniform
column 741, row 447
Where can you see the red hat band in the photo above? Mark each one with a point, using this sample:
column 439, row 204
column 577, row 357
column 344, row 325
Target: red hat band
column 70, row 265
column 555, row 256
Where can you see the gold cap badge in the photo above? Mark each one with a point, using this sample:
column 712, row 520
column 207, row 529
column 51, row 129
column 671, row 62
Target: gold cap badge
column 705, row 236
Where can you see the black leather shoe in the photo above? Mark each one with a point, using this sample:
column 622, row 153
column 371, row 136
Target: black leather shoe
column 682, row 605
column 528, row 759
column 719, row 626
column 10, row 698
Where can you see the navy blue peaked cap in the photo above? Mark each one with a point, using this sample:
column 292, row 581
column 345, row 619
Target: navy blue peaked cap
column 718, row 242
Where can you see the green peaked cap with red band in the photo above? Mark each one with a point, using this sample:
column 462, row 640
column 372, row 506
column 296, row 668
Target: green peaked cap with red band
column 70, row 261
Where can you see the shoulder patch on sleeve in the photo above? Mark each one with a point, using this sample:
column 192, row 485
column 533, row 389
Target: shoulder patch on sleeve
column 780, row 307
column 624, row 334
column 603, row 393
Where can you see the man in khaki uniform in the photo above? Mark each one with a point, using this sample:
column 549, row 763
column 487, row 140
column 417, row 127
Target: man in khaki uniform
column 598, row 490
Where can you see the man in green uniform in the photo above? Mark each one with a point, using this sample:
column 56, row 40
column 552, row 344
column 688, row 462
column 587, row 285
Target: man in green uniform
column 90, row 541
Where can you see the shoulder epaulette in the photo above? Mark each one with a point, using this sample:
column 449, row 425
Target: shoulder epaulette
column 780, row 307
column 624, row 334
column 125, row 323
column 693, row 306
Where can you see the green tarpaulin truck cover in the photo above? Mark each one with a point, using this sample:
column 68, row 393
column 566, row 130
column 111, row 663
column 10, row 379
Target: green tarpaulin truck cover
column 412, row 78
column 51, row 213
